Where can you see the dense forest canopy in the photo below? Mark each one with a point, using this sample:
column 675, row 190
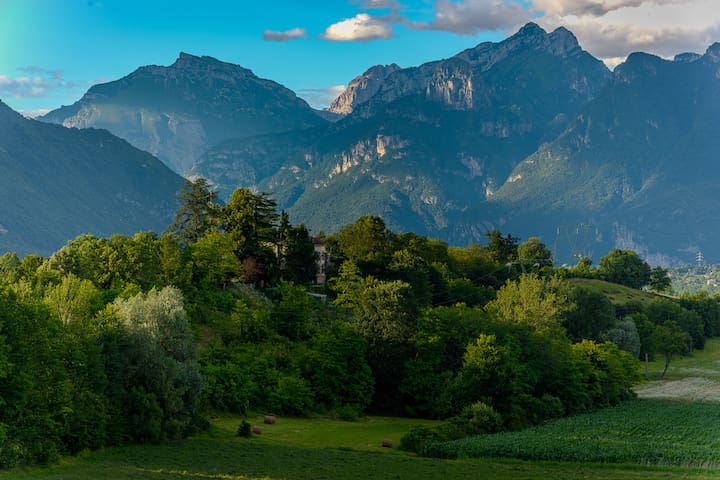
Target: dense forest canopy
column 137, row 338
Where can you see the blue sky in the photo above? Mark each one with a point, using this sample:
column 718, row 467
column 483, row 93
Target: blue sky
column 51, row 51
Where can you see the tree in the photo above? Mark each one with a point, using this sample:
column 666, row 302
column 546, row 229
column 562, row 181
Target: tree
column 74, row 300
column 592, row 315
column 199, row 212
column 250, row 221
column 624, row 267
column 534, row 254
column 502, row 249
column 670, row 341
column 152, row 366
column 367, row 242
column 296, row 253
column 531, row 301
column 626, row 337
column 659, row 280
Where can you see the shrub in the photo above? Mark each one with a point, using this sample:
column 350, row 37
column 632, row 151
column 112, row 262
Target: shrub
column 244, row 429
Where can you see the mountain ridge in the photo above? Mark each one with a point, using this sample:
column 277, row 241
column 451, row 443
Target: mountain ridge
column 180, row 111
column 58, row 183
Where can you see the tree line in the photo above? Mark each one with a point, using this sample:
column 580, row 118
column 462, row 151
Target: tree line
column 137, row 338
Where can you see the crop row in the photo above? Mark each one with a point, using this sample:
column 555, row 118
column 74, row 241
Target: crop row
column 641, row 431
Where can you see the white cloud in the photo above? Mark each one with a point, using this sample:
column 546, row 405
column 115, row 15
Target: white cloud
column 321, row 97
column 469, row 17
column 284, row 36
column 361, row 27
column 41, row 83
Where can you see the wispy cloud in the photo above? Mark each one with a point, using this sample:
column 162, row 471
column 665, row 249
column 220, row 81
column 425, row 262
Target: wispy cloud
column 362, row 27
column 321, row 97
column 284, row 36
column 373, row 4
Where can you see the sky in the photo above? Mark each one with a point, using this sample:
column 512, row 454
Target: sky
column 52, row 51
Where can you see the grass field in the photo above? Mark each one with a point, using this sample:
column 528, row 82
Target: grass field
column 663, row 432
column 617, row 294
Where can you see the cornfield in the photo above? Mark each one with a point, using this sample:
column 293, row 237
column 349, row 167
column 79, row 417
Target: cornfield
column 649, row 432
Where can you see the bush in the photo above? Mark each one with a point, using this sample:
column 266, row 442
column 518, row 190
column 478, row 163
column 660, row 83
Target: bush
column 419, row 437
column 244, row 429
column 476, row 419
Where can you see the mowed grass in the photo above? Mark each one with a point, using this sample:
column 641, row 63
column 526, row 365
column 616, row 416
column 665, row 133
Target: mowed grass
column 365, row 434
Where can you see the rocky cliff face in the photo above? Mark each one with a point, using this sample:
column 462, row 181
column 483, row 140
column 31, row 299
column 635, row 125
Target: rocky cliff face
column 433, row 141
column 470, row 79
column 362, row 88
column 179, row 112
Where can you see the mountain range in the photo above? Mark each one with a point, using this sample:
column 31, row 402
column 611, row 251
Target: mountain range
column 531, row 135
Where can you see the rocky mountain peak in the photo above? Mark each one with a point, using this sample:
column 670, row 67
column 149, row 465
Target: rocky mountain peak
column 563, row 42
column 193, row 65
column 713, row 52
column 362, row 88
column 686, row 57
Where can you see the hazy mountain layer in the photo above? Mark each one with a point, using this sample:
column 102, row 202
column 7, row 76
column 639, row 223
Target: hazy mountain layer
column 179, row 112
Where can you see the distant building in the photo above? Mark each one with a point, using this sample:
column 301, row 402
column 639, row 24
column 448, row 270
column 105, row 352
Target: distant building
column 323, row 261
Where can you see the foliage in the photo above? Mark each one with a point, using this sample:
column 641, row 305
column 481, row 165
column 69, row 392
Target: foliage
column 244, row 429
column 199, row 211
column 659, row 280
column 592, row 315
column 156, row 382
column 670, row 341
column 534, row 254
column 625, row 335
column 531, row 301
column 624, row 267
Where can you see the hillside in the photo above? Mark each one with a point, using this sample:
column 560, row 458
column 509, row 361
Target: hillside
column 58, row 183
column 638, row 163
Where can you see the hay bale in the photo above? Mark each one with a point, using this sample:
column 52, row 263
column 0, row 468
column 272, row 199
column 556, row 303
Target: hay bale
column 387, row 443
column 270, row 419
column 257, row 430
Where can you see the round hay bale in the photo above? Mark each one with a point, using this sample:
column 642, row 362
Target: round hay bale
column 257, row 430
column 387, row 443
column 270, row 419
